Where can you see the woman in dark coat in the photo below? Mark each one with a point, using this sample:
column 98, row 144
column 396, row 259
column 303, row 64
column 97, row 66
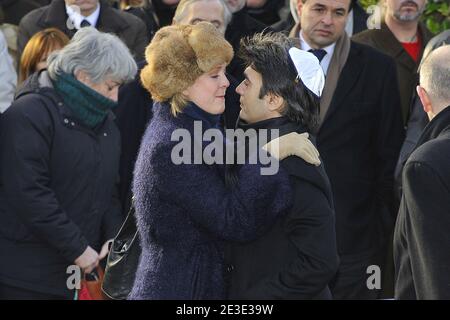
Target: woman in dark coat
column 59, row 162
column 185, row 211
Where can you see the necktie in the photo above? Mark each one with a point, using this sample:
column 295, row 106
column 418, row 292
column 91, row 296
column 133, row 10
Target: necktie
column 85, row 23
column 319, row 53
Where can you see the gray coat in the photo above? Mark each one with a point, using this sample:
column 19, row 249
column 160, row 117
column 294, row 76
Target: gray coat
column 126, row 26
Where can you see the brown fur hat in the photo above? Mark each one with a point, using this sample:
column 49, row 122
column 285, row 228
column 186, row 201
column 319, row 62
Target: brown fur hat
column 179, row 54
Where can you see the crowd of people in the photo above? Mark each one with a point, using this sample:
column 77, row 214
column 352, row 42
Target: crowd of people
column 96, row 97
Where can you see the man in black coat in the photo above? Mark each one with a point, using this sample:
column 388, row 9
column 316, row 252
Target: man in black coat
column 130, row 29
column 422, row 241
column 298, row 256
column 359, row 139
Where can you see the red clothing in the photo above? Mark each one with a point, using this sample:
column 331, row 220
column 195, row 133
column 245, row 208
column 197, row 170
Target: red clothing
column 413, row 48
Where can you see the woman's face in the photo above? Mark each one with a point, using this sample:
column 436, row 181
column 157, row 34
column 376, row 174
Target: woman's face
column 107, row 88
column 208, row 91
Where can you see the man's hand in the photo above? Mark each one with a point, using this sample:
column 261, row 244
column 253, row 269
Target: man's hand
column 88, row 261
column 105, row 249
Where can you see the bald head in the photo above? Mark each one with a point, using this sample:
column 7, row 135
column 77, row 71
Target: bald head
column 435, row 78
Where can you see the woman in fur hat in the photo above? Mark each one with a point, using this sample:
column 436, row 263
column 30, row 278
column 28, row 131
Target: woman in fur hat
column 186, row 211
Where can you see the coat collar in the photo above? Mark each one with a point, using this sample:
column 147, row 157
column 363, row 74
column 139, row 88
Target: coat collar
column 438, row 125
column 388, row 43
column 348, row 77
column 283, row 124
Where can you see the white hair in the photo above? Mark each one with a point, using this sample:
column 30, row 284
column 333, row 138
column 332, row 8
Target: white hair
column 99, row 54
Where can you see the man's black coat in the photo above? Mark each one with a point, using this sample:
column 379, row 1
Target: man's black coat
column 298, row 256
column 422, row 238
column 359, row 141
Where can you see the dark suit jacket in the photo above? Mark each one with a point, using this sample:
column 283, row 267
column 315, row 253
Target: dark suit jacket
column 126, row 26
column 297, row 257
column 421, row 239
column 359, row 141
column 385, row 41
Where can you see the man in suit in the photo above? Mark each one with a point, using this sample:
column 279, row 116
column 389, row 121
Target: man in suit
column 403, row 37
column 359, row 138
column 422, row 240
column 64, row 15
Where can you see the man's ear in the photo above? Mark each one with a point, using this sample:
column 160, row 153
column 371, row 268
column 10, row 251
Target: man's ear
column 299, row 7
column 425, row 99
column 274, row 102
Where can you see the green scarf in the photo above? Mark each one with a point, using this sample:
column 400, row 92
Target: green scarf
column 87, row 105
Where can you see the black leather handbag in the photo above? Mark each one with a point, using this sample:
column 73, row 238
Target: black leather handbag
column 122, row 260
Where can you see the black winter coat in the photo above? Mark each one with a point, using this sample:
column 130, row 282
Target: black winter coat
column 57, row 186
column 298, row 256
column 421, row 238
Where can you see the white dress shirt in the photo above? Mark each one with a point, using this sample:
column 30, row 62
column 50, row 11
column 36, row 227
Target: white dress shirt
column 76, row 17
column 325, row 63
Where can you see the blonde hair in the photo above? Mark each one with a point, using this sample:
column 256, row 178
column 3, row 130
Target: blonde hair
column 42, row 43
